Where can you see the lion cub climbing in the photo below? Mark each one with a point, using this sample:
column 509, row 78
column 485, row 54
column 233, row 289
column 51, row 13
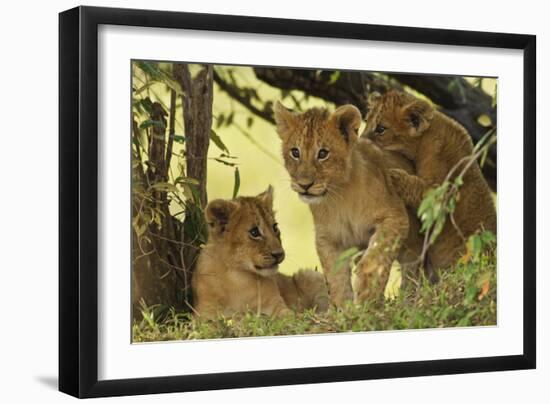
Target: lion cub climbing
column 237, row 269
column 435, row 144
column 344, row 181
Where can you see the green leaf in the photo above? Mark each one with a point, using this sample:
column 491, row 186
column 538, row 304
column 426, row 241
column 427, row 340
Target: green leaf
column 179, row 138
column 147, row 67
column 229, row 119
column 439, row 223
column 151, row 122
column 476, row 245
column 190, row 190
column 147, row 105
column 426, row 204
column 343, row 258
column 217, row 141
column 186, row 180
column 484, row 120
column 164, row 187
column 220, row 120
column 334, row 77
column 137, row 91
column 237, row 183
column 158, row 74
column 488, row 237
column 227, row 163
column 139, row 225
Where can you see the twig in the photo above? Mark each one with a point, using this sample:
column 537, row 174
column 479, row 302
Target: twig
column 171, row 131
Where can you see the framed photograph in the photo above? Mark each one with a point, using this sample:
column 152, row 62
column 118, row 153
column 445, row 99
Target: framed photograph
column 252, row 201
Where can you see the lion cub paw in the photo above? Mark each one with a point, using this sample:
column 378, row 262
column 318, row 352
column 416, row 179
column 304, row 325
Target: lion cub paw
column 398, row 178
column 312, row 289
column 369, row 282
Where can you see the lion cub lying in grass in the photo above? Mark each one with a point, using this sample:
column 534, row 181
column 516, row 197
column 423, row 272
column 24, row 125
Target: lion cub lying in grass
column 344, row 181
column 435, row 144
column 237, row 270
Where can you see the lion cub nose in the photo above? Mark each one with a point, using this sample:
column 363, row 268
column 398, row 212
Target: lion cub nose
column 278, row 256
column 305, row 186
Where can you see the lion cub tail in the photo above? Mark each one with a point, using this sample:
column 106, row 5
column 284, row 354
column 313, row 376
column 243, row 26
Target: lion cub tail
column 305, row 289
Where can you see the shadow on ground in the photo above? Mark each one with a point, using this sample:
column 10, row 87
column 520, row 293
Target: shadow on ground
column 48, row 381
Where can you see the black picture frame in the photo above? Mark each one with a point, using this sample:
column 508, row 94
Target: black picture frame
column 78, row 201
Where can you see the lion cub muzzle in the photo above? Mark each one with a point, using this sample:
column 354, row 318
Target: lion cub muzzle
column 308, row 191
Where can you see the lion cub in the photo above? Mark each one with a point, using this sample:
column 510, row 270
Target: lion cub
column 435, row 144
column 344, row 182
column 237, row 269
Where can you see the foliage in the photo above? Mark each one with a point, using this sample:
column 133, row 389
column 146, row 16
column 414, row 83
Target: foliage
column 440, row 202
column 464, row 296
column 166, row 201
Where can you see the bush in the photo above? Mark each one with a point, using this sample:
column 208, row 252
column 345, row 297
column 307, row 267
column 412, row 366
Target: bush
column 464, row 296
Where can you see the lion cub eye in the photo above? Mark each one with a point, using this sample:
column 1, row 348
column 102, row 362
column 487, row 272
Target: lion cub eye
column 323, row 154
column 254, row 232
column 276, row 228
column 379, row 129
column 294, row 152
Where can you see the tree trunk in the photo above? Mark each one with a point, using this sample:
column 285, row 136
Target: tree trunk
column 197, row 117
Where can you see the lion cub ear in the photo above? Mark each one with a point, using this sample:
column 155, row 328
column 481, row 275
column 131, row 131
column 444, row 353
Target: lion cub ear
column 218, row 212
column 347, row 120
column 373, row 98
column 418, row 116
column 285, row 119
column 266, row 197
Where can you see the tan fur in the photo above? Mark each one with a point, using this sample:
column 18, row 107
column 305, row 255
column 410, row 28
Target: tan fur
column 237, row 272
column 350, row 196
column 306, row 289
column 435, row 143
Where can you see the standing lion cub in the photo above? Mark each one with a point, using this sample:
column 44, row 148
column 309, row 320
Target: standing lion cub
column 435, row 144
column 344, row 181
column 237, row 270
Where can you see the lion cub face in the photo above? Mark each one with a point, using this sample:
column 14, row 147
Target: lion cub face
column 247, row 229
column 317, row 148
column 396, row 121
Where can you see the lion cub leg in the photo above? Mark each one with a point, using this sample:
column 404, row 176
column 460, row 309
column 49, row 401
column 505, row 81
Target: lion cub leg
column 409, row 187
column 339, row 281
column 312, row 289
column 306, row 289
column 275, row 307
column 373, row 270
column 268, row 299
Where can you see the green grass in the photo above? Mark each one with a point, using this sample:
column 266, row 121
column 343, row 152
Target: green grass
column 464, row 296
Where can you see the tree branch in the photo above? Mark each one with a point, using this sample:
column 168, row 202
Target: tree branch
column 234, row 93
column 455, row 96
